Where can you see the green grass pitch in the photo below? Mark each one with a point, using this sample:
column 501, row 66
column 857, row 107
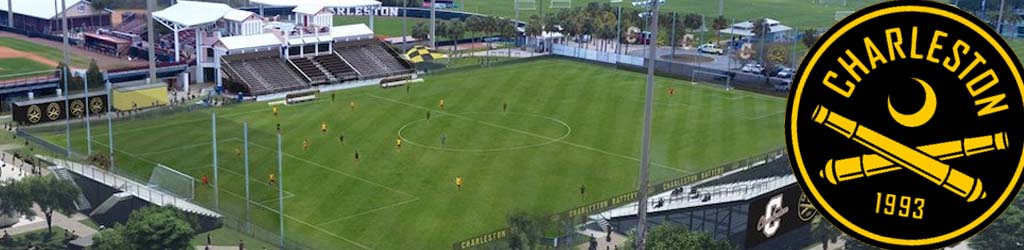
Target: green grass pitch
column 48, row 52
column 22, row 67
column 568, row 124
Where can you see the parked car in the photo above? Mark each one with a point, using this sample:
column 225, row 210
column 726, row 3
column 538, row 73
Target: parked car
column 786, row 73
column 783, row 86
column 753, row 68
column 710, row 48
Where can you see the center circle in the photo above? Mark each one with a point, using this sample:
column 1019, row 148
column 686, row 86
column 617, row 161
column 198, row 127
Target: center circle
column 488, row 129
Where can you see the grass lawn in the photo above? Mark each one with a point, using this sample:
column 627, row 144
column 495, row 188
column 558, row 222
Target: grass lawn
column 11, row 68
column 389, row 26
column 51, row 53
column 38, row 238
column 568, row 124
column 800, row 14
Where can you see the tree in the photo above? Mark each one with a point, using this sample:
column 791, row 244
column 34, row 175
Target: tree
column 1004, row 233
column 693, row 21
column 535, row 28
column 824, row 232
column 524, row 231
column 507, row 31
column 854, row 244
column 100, row 159
column 52, row 195
column 667, row 236
column 475, row 24
column 719, row 23
column 15, row 199
column 810, row 36
column 158, row 228
column 421, row 31
column 761, row 30
column 111, row 239
column 455, row 31
column 93, row 74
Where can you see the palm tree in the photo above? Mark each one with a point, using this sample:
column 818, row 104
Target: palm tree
column 761, row 30
column 507, row 31
column 420, row 31
column 809, row 37
column 475, row 24
column 718, row 24
column 535, row 28
column 605, row 27
column 455, row 31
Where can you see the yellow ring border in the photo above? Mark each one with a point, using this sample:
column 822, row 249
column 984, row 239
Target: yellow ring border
column 796, row 105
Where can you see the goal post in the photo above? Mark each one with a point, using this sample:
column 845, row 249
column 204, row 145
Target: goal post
column 840, row 14
column 561, row 4
column 526, row 4
column 171, row 181
column 723, row 79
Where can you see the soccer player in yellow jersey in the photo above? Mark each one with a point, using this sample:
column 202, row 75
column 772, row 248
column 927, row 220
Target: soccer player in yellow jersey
column 238, row 152
column 398, row 143
column 442, row 104
column 323, row 127
column 458, row 182
column 271, row 180
column 305, row 145
column 274, row 109
column 352, row 105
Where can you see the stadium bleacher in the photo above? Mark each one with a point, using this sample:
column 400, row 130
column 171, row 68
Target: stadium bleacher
column 372, row 60
column 338, row 67
column 308, row 68
column 262, row 73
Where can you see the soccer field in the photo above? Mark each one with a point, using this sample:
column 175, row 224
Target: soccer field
column 568, row 124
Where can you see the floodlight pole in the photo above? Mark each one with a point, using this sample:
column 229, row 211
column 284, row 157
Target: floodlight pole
column 618, row 32
column 645, row 152
column 405, row 20
column 280, row 190
column 10, row 13
column 88, row 127
column 433, row 23
column 245, row 136
column 67, row 70
column 216, row 183
column 110, row 126
column 150, row 7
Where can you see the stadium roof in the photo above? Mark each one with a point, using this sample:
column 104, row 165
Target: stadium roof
column 308, row 9
column 237, row 15
column 324, row 3
column 190, row 13
column 250, row 41
column 38, row 8
column 358, row 31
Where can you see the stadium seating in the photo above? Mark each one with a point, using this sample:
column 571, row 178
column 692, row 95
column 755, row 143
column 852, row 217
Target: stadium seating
column 372, row 60
column 262, row 73
column 340, row 69
column 307, row 67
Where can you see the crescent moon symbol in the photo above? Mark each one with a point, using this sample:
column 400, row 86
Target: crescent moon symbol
column 921, row 116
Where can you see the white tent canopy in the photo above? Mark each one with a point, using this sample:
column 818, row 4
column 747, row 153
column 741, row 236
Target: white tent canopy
column 351, row 32
column 43, row 9
column 190, row 13
column 324, row 3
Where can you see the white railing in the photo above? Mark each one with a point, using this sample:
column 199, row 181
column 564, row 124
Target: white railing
column 704, row 196
column 133, row 187
column 595, row 55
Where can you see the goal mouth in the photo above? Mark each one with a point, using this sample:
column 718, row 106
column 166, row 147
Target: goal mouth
column 723, row 79
column 526, row 4
column 561, row 4
column 173, row 182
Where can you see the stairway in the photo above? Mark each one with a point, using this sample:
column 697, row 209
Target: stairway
column 63, row 174
column 110, row 202
column 330, row 76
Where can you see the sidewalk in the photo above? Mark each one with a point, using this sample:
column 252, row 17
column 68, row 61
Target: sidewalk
column 602, row 243
column 70, row 223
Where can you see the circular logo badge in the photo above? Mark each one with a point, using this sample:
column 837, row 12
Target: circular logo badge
column 77, row 108
column 34, row 114
column 53, row 111
column 96, row 105
column 904, row 126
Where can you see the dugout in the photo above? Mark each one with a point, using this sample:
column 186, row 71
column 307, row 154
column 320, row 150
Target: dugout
column 43, row 110
column 139, row 96
column 107, row 44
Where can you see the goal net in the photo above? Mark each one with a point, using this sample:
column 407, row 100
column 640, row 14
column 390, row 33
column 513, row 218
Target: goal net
column 840, row 14
column 526, row 4
column 712, row 77
column 561, row 4
column 173, row 182
column 832, row 2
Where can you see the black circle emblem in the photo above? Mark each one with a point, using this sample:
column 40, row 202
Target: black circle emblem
column 904, row 125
